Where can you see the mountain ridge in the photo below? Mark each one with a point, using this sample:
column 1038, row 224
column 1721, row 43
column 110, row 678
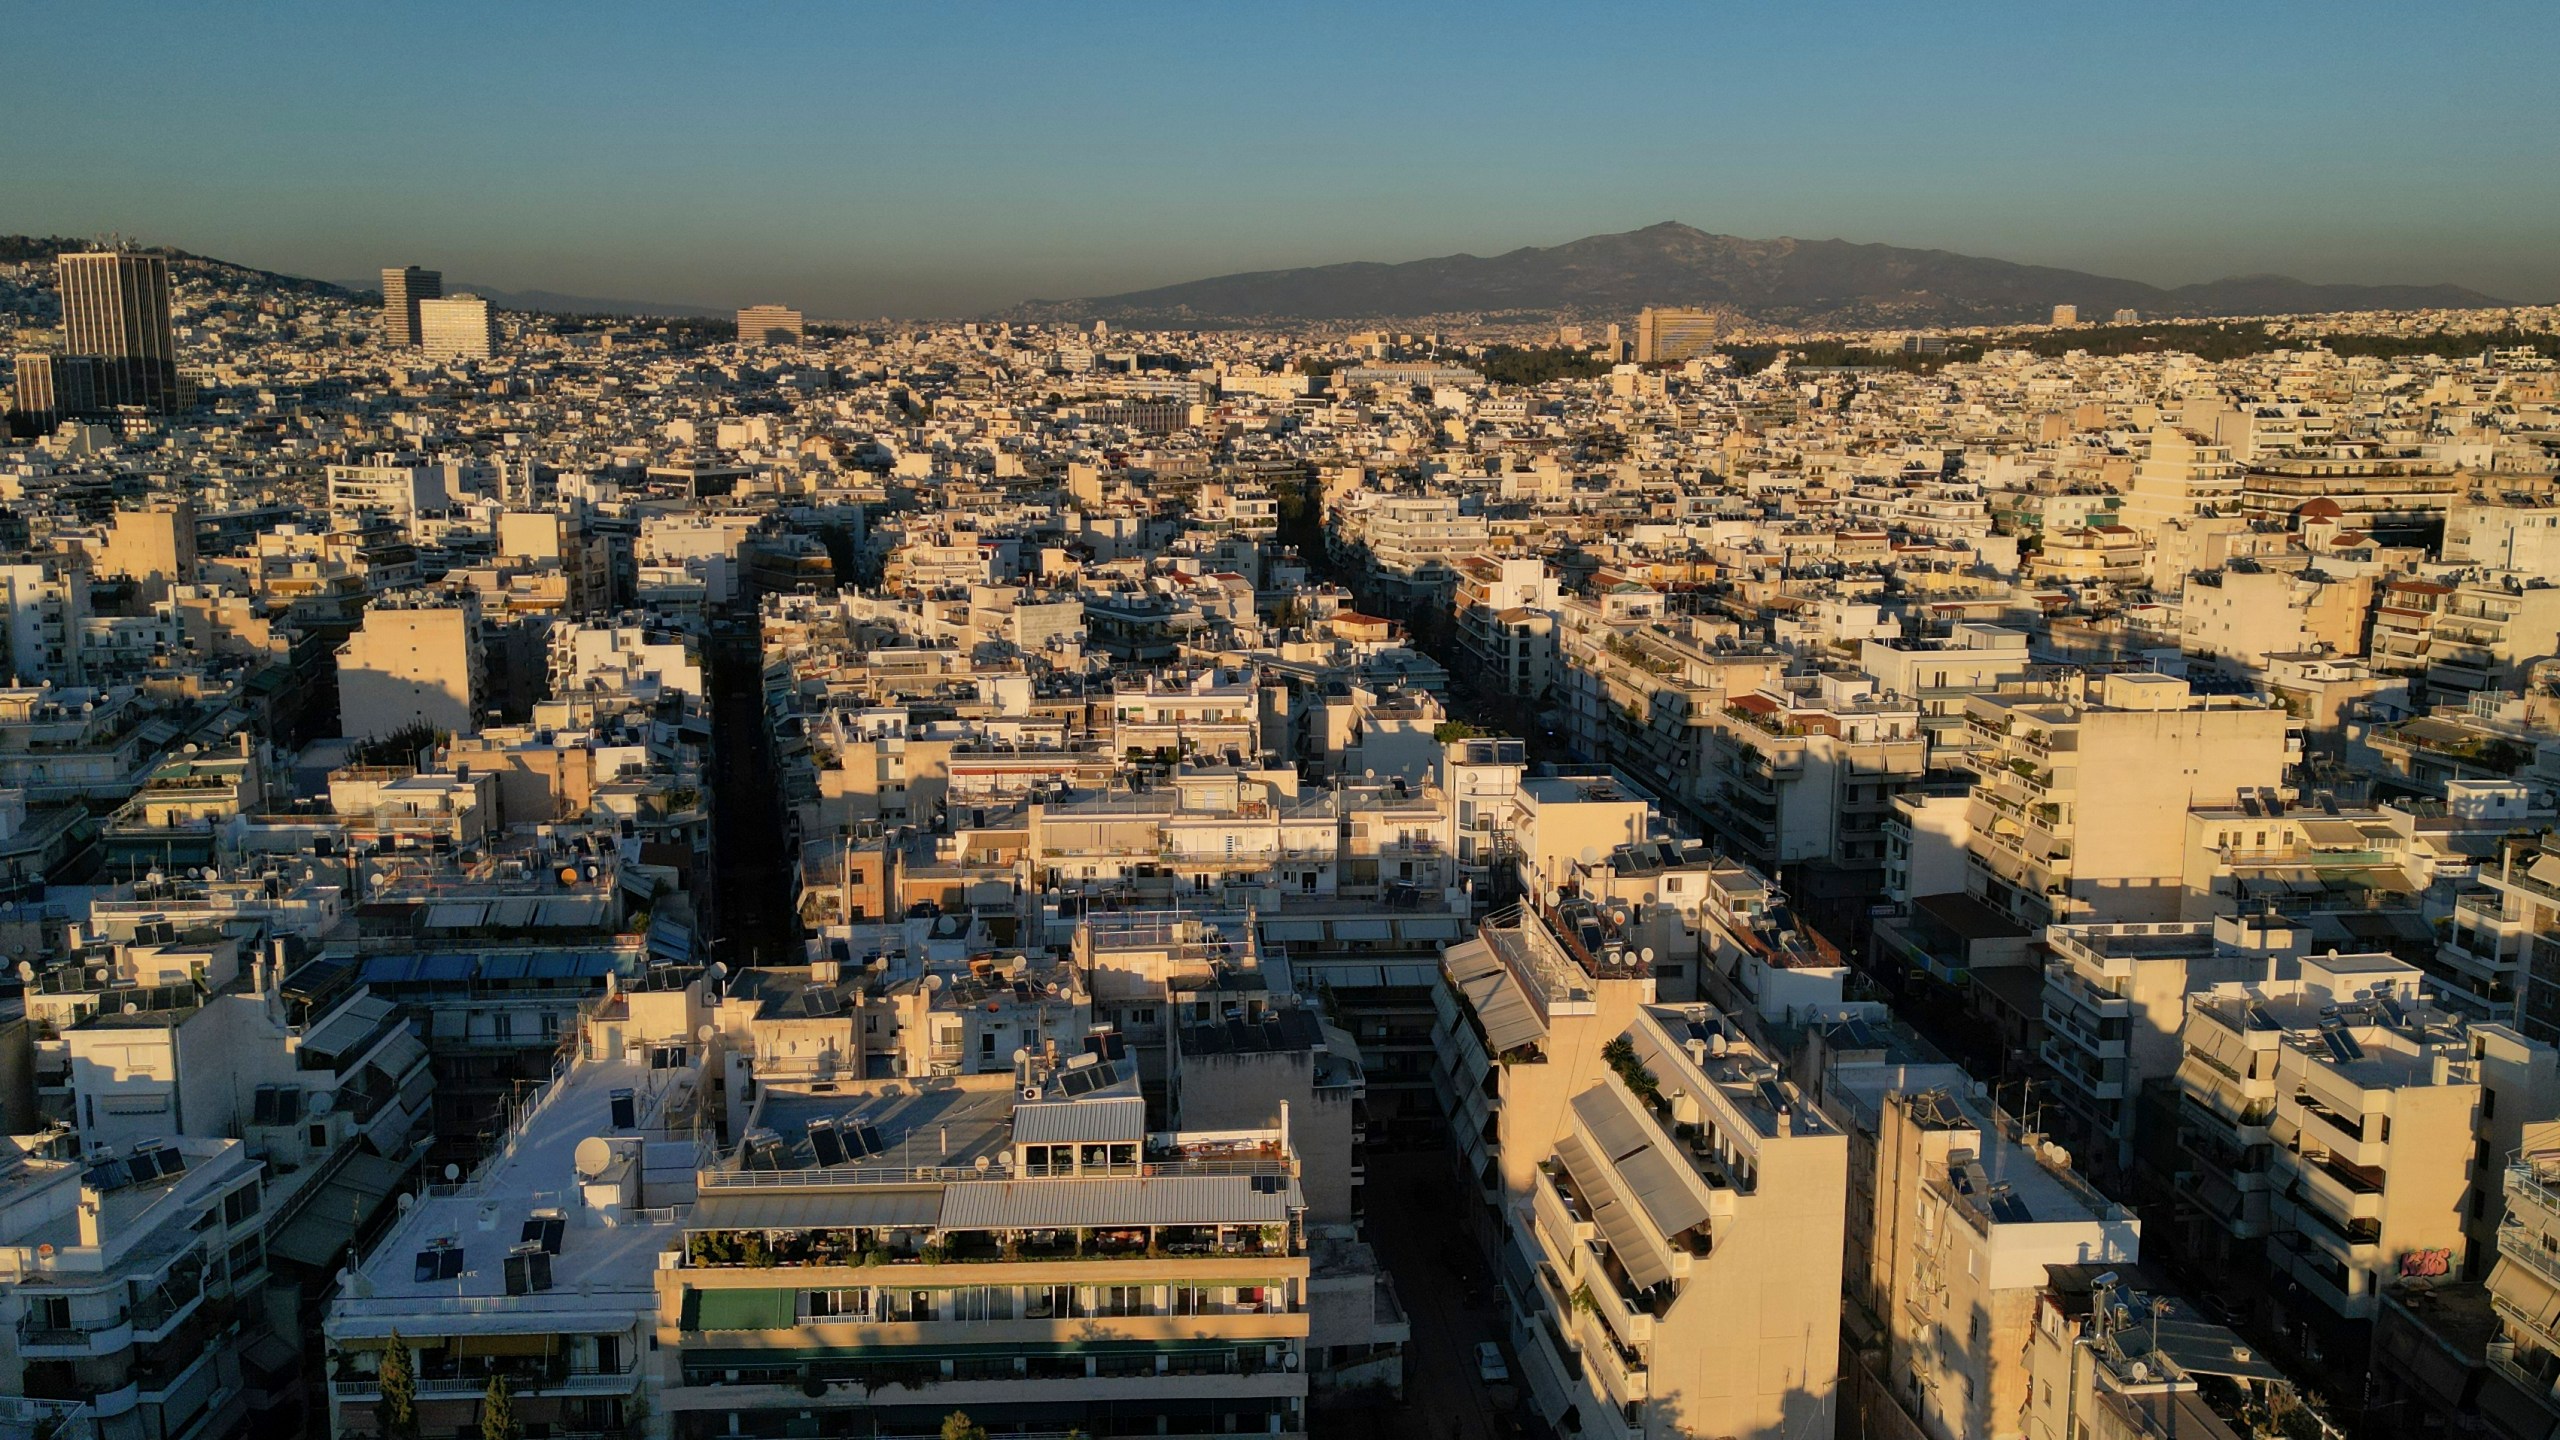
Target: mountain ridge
column 1786, row 280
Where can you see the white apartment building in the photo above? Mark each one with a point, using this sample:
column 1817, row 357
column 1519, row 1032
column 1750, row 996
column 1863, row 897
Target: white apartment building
column 416, row 662
column 458, row 327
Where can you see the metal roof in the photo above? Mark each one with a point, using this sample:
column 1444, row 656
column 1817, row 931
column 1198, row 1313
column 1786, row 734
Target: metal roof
column 1618, row 1225
column 1659, row 1182
column 1501, row 1005
column 1111, row 1118
column 1164, row 1200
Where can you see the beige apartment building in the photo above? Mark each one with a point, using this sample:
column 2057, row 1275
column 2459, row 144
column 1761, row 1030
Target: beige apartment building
column 1956, row 1218
column 2185, row 504
column 2243, row 615
column 1685, row 1233
column 415, row 662
column 2080, row 813
column 2328, row 1113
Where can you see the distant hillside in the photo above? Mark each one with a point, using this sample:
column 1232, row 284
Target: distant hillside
column 19, row 249
column 1807, row 282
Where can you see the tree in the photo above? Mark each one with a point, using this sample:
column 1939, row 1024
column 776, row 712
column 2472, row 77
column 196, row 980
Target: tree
column 958, row 1426
column 397, row 1411
column 498, row 1412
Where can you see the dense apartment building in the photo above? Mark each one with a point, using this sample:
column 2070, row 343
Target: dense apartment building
column 770, row 325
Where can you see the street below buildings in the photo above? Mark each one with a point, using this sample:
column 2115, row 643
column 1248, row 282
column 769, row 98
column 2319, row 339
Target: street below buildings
column 1413, row 1208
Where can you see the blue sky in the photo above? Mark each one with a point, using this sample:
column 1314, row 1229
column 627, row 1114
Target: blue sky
column 861, row 159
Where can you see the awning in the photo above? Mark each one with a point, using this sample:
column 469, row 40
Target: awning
column 317, row 1236
column 1618, row 1225
column 741, row 1309
column 2528, row 1294
column 544, row 1344
column 1071, row 1204
column 868, row 1207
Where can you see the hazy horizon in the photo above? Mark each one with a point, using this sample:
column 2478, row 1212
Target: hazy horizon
column 858, row 162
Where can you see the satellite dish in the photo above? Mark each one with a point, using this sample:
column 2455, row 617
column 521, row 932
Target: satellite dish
column 1554, row 897
column 322, row 1103
column 1590, row 854
column 26, row 972
column 933, row 984
column 1020, row 1054
column 452, row 1172
column 592, row 1156
column 132, row 1009
column 704, row 1034
column 982, row 1164
column 408, row 1201
column 719, row 969
column 1645, row 954
column 1368, row 774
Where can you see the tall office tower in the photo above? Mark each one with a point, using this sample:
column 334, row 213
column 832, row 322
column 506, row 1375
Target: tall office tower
column 402, row 289
column 1675, row 334
column 52, row 388
column 2066, row 315
column 464, row 327
column 770, row 325
column 115, row 306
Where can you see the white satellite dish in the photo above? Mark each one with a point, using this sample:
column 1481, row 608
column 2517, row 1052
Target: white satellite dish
column 982, row 1164
column 1590, row 854
column 1645, row 954
column 408, row 1202
column 933, row 984
column 704, row 1034
column 719, row 969
column 26, row 972
column 452, row 1173
column 132, row 1009
column 1020, row 1054
column 1368, row 774
column 593, row 1155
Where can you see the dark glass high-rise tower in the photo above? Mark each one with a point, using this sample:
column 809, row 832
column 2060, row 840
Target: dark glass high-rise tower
column 402, row 289
column 115, row 308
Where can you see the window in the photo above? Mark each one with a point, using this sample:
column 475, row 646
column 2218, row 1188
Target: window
column 2488, row 1103
column 240, row 1205
column 987, row 1043
column 319, row 1137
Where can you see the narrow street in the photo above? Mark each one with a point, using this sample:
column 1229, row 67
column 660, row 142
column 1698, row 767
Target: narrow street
column 752, row 915
column 1442, row 1282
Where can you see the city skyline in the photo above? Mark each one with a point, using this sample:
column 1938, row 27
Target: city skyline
column 957, row 165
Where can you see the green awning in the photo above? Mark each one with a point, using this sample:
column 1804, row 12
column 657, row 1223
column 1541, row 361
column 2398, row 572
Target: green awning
column 741, row 1309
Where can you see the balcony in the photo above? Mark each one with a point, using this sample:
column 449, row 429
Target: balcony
column 82, row 1341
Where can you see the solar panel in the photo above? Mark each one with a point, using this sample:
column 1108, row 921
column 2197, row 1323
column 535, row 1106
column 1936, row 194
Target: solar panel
column 626, row 1110
column 824, row 1141
column 426, row 1266
column 546, row 1231
column 2259, row 1019
column 449, row 1264
column 172, row 1161
column 107, row 1175
column 528, row 1272
column 869, row 1135
column 2392, row 1011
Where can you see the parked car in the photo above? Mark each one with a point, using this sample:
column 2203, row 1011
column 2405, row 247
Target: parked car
column 1491, row 1368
